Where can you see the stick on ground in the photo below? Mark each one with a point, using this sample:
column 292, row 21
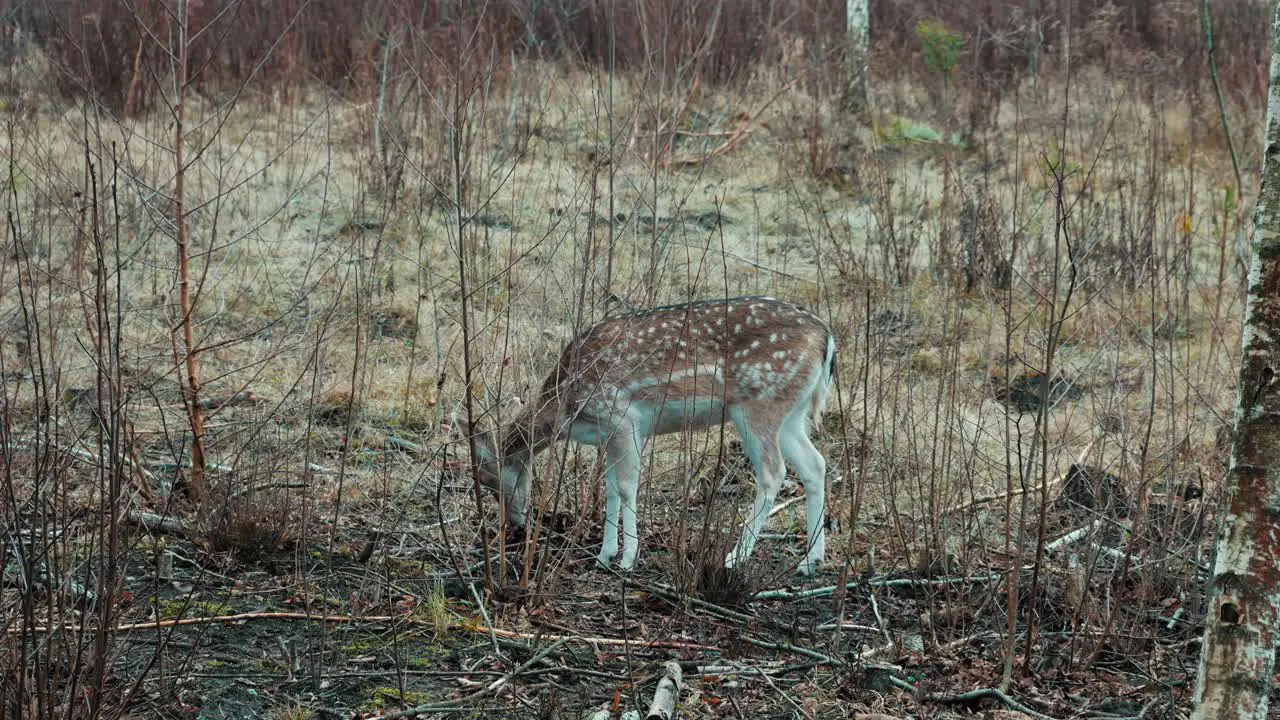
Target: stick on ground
column 667, row 695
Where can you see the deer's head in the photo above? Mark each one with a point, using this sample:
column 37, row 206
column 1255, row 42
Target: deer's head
column 504, row 467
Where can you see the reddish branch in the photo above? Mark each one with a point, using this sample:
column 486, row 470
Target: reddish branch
column 195, row 410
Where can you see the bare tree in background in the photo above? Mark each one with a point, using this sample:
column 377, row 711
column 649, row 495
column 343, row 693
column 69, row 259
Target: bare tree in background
column 1244, row 593
column 857, row 93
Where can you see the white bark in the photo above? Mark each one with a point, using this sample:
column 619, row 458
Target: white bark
column 858, row 28
column 1238, row 653
column 667, row 695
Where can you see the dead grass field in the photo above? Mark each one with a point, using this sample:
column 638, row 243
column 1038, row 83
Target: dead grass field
column 328, row 286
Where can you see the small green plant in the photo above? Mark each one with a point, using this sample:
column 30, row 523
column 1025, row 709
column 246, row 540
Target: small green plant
column 170, row 609
column 385, row 697
column 364, row 647
column 435, row 609
column 941, row 46
column 1229, row 197
column 902, row 131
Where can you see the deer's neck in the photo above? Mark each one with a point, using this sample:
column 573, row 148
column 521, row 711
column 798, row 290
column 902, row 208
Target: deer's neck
column 532, row 430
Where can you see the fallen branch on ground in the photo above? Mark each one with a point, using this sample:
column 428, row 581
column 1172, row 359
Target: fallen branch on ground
column 670, row 644
column 489, row 689
column 406, row 445
column 479, row 629
column 269, row 486
column 788, row 647
column 667, row 695
column 967, row 697
column 675, row 597
column 156, row 523
column 775, row 667
column 244, row 397
column 241, row 617
column 1072, row 536
column 733, row 140
column 897, row 582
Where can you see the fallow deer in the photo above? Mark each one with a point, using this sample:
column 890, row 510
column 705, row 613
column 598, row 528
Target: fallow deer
column 764, row 364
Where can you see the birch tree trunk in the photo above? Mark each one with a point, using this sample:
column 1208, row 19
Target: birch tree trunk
column 1244, row 593
column 857, row 92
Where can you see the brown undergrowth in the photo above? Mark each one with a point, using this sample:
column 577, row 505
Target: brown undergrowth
column 1038, row 323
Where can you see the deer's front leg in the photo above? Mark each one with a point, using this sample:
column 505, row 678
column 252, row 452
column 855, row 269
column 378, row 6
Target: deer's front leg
column 612, row 502
column 622, row 487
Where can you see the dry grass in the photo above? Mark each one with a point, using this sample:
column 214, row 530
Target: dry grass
column 334, row 296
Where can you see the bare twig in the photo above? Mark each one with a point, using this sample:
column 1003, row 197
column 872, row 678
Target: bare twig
column 1206, row 24
column 588, row 640
column 241, row 617
column 848, row 626
column 875, row 609
column 784, row 505
column 484, row 614
column 678, row 598
column 498, row 684
column 723, row 148
column 790, row 700
column 744, row 260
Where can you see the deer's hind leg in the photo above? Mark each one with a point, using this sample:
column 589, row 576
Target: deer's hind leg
column 760, row 437
column 808, row 463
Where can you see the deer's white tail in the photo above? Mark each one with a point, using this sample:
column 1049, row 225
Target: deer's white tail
column 823, row 389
